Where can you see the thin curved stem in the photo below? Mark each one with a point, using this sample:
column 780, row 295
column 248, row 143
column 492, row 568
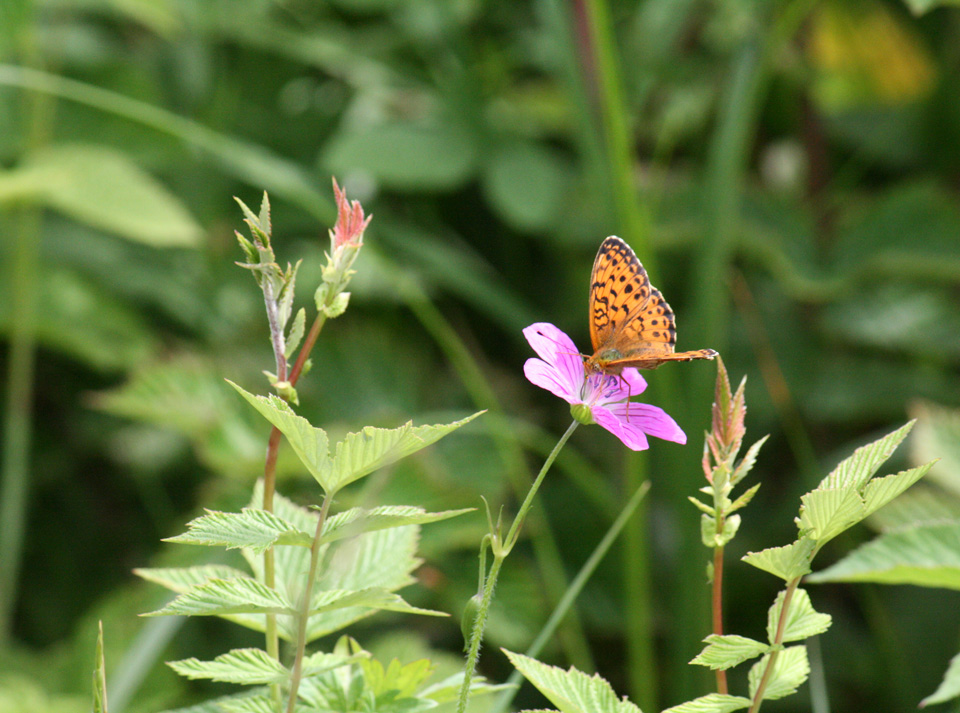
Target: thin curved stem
column 500, row 552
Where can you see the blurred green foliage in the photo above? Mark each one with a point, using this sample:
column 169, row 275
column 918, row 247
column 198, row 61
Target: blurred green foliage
column 787, row 171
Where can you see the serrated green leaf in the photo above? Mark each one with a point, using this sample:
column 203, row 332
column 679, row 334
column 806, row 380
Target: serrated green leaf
column 361, row 453
column 256, row 529
column 181, row 579
column 949, row 687
column 803, row 621
column 373, row 598
column 881, row 491
column 865, row 461
column 99, row 675
column 921, row 505
column 712, row 703
column 309, row 443
column 744, row 499
column 259, row 703
column 221, row 704
column 359, row 520
column 384, row 559
column 787, row 562
column 244, row 666
column 790, row 670
column 826, row 512
column 228, row 596
column 723, row 652
column 571, row 691
column 927, row 556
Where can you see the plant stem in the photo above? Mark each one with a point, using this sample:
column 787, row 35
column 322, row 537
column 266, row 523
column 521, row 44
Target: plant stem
column 570, row 596
column 777, row 641
column 269, row 488
column 717, row 601
column 500, row 552
column 304, row 615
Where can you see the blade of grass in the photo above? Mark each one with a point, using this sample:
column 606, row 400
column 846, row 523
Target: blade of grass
column 248, row 162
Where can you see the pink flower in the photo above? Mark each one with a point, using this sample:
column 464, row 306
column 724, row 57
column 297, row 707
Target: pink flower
column 350, row 221
column 560, row 371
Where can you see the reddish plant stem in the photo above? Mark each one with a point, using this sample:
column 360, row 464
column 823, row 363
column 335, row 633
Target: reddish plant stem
column 270, row 486
column 717, row 600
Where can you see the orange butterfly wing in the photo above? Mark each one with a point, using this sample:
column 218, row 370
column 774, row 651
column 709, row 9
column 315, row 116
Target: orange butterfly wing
column 630, row 322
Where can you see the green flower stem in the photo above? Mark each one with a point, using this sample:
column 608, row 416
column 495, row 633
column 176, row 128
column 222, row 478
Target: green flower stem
column 304, row 615
column 500, row 552
column 570, row 596
column 503, row 434
column 777, row 642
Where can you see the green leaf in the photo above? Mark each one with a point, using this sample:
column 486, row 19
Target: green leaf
column 321, row 662
column 927, row 556
column 405, row 155
column 712, row 703
column 448, row 689
column 710, row 536
column 803, row 621
column 526, row 182
column 259, row 703
column 309, row 443
column 790, row 670
column 181, row 579
column 358, row 520
column 922, row 505
column 256, row 529
column 881, row 491
column 723, row 652
column 228, row 596
column 382, row 559
column 949, row 687
column 787, row 562
column 826, row 512
column 571, row 691
column 865, row 461
column 99, row 675
column 296, row 332
column 360, row 454
column 244, row 666
column 746, row 465
column 937, row 436
column 744, row 499
column 103, row 188
column 373, row 597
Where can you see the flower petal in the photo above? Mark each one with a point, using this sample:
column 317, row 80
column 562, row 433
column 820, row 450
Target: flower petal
column 541, row 374
column 652, row 420
column 636, row 384
column 631, row 434
column 558, row 350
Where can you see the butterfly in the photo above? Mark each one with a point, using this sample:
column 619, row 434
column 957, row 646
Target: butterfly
column 630, row 322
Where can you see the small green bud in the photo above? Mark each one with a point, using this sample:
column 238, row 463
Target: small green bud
column 469, row 617
column 320, row 296
column 287, row 392
column 338, row 307
column 582, row 414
